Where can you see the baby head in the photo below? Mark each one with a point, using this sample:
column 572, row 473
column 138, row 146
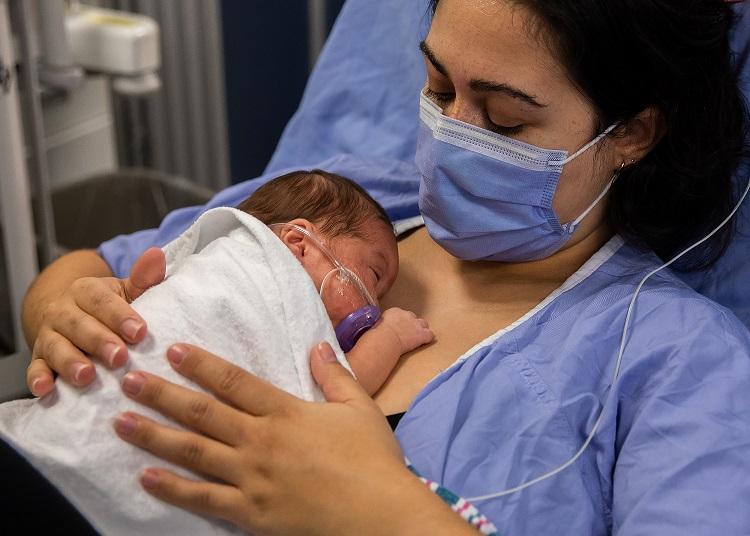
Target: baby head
column 341, row 215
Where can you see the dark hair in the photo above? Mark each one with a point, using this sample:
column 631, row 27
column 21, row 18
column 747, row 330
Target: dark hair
column 336, row 204
column 674, row 55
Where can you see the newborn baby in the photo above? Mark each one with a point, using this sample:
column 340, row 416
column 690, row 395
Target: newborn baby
column 259, row 286
column 359, row 233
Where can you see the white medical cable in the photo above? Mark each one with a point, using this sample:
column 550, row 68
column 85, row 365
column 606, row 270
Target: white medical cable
column 599, row 419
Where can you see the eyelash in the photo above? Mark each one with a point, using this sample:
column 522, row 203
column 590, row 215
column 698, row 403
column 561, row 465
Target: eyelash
column 494, row 127
column 505, row 131
column 437, row 97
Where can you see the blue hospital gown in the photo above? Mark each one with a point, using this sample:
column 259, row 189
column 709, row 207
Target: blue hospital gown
column 672, row 455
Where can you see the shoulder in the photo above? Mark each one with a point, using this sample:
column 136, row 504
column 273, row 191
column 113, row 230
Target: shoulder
column 668, row 307
column 671, row 329
column 682, row 342
column 663, row 300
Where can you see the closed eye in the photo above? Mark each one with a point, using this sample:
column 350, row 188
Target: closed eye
column 443, row 98
column 437, row 97
column 506, row 131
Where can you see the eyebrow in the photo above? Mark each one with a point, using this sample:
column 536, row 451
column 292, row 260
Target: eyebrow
column 483, row 85
column 430, row 55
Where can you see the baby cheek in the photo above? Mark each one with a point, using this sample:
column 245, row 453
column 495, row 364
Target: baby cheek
column 341, row 300
column 336, row 313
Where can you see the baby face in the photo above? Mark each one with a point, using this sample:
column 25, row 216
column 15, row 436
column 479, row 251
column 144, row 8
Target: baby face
column 374, row 259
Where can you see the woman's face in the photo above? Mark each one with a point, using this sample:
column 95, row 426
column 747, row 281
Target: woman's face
column 489, row 65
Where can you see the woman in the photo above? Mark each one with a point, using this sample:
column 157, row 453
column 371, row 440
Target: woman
column 639, row 102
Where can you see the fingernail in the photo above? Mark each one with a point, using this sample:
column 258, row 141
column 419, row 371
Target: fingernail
column 35, row 386
column 176, row 354
column 326, row 352
column 131, row 327
column 150, row 479
column 82, row 373
column 133, row 383
column 111, row 352
column 125, row 424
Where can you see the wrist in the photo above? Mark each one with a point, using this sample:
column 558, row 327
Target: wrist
column 396, row 341
column 426, row 513
column 404, row 505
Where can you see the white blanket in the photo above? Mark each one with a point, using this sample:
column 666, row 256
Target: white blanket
column 233, row 288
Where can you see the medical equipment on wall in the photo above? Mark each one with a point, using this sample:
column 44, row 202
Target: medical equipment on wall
column 123, row 45
column 618, row 363
column 350, row 305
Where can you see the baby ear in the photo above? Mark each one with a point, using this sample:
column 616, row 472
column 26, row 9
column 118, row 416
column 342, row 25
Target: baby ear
column 295, row 239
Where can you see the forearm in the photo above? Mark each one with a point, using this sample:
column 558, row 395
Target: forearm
column 54, row 280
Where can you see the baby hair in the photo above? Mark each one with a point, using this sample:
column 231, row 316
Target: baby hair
column 337, row 205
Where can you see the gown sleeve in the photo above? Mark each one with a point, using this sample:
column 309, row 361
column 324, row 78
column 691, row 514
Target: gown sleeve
column 683, row 441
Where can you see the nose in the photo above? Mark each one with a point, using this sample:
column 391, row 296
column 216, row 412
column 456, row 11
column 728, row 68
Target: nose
column 462, row 109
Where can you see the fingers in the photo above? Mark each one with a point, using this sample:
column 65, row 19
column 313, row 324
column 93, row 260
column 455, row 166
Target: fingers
column 148, row 270
column 39, row 378
column 425, row 333
column 182, row 448
column 334, row 380
column 204, row 498
column 87, row 335
column 195, row 410
column 228, row 382
column 427, row 336
column 103, row 299
column 59, row 354
column 92, row 318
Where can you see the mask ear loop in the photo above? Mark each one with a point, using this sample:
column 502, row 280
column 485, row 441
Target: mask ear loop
column 572, row 225
column 338, row 267
column 588, row 146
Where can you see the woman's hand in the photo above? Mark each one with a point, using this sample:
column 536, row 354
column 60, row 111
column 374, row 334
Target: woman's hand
column 91, row 318
column 286, row 466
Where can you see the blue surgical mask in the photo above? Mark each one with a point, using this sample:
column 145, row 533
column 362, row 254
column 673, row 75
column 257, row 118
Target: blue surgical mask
column 485, row 196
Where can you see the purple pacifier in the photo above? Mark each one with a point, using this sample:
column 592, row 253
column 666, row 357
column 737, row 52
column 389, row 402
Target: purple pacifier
column 355, row 325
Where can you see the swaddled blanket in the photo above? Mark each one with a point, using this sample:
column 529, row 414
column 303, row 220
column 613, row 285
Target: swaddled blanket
column 233, row 288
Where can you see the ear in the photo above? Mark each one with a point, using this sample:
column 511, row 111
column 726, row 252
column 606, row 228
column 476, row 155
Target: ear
column 295, row 240
column 639, row 136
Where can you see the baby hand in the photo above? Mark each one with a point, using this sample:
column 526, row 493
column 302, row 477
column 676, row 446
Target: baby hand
column 411, row 331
